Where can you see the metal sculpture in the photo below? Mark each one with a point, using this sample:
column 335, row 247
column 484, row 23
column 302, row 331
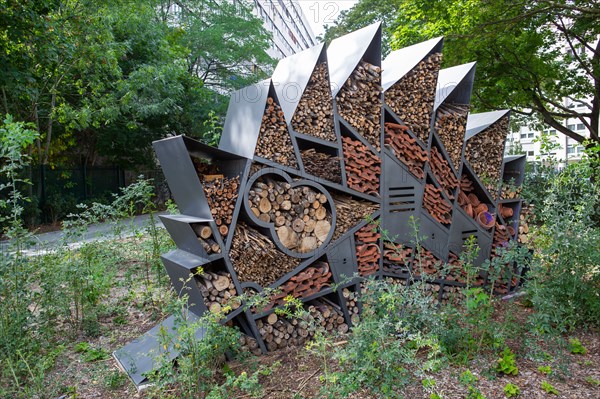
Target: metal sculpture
column 335, row 136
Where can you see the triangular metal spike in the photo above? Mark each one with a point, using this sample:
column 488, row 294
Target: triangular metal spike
column 455, row 84
column 344, row 54
column 244, row 118
column 398, row 63
column 478, row 122
column 291, row 76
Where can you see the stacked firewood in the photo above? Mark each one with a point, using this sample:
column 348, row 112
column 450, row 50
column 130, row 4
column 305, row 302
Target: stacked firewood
column 248, row 344
column 473, row 205
column 362, row 167
column 443, row 173
column 218, row 291
column 306, row 283
column 396, row 258
column 412, row 97
column 485, row 151
column 204, row 234
column 327, row 316
column 314, row 114
column 425, row 261
column 405, row 148
column 221, row 194
column 300, row 214
column 433, row 291
column 452, row 295
column 255, row 257
column 367, row 249
column 322, row 165
column 351, row 298
column 204, row 168
column 359, row 100
column 350, row 212
column 274, row 140
column 524, row 219
column 510, row 192
column 451, row 125
column 278, row 332
column 437, row 206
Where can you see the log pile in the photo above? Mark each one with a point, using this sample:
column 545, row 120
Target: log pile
column 426, row 262
column 351, row 298
column 437, row 206
column 367, row 249
column 452, row 295
column 327, row 316
column 205, row 237
column 396, row 258
column 249, row 345
column 300, row 214
column 443, row 173
column 451, row 125
column 359, row 100
column 524, row 219
column 221, row 194
column 485, row 151
column 255, row 257
column 322, row 165
column 433, row 291
column 218, row 291
column 510, row 192
column 473, row 205
column 306, row 283
column 412, row 97
column 405, row 148
column 350, row 212
column 363, row 168
column 278, row 332
column 314, row 114
column 274, row 140
column 204, row 168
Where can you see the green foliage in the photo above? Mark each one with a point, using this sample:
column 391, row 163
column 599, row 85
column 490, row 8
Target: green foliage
column 564, row 275
column 391, row 346
column 468, row 378
column 592, row 381
column 548, row 388
column 511, row 390
column 507, row 364
column 89, row 353
column 545, row 369
column 576, row 347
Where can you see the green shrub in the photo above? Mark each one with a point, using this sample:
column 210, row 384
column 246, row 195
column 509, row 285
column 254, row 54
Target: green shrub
column 511, row 390
column 506, row 364
column 548, row 388
column 576, row 347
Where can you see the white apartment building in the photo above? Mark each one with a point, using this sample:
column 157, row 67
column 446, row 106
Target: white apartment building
column 288, row 25
column 566, row 149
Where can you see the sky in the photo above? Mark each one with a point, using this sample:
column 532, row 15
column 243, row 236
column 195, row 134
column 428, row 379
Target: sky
column 323, row 12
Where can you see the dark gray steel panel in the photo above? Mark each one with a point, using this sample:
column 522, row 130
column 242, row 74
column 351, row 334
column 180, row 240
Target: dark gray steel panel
column 479, row 122
column 455, row 85
column 436, row 236
column 182, row 233
column 463, row 226
column 291, row 76
column 137, row 358
column 400, row 62
column 244, row 117
column 342, row 259
column 181, row 176
column 344, row 53
column 180, row 265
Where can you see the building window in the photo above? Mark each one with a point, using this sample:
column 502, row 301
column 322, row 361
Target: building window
column 570, row 150
column 571, row 127
column 580, row 126
column 579, row 149
column 529, row 153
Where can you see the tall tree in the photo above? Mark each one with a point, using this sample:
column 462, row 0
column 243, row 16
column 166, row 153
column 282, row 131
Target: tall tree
column 530, row 55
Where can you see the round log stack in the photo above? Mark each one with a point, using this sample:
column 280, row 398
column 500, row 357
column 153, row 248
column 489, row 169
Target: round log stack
column 205, row 237
column 351, row 298
column 218, row 291
column 300, row 214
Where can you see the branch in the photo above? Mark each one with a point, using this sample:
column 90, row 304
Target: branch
column 549, row 119
column 565, row 31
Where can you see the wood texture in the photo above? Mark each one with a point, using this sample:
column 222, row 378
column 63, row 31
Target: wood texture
column 314, row 113
column 221, row 194
column 274, row 142
column 451, row 126
column 350, row 212
column 322, row 165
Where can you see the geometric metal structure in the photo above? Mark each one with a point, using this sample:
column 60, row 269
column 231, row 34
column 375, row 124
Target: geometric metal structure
column 394, row 139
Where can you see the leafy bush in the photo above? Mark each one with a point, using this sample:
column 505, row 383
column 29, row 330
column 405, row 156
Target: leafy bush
column 507, row 364
column 576, row 347
column 564, row 279
column 511, row 390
